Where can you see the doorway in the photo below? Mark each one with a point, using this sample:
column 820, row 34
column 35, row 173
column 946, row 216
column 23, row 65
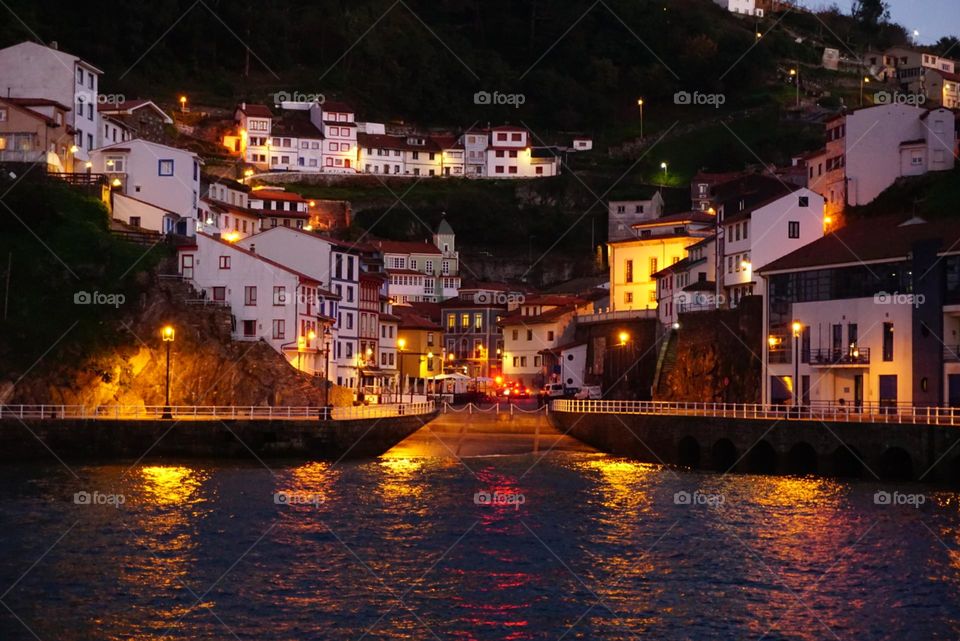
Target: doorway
column 888, row 393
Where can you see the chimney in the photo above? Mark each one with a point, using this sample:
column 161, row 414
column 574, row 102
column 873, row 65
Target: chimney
column 243, row 106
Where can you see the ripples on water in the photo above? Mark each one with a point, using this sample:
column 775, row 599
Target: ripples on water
column 396, row 548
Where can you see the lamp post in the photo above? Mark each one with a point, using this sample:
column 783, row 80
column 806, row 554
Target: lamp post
column 640, row 104
column 326, row 365
column 863, row 80
column 401, row 345
column 796, row 79
column 183, row 104
column 167, row 334
column 663, row 166
column 796, row 327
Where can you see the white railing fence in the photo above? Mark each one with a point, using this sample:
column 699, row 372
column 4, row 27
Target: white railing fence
column 816, row 411
column 213, row 412
column 494, row 408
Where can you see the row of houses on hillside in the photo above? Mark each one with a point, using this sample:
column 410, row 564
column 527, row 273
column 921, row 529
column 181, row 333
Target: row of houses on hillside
column 57, row 113
column 920, row 73
column 325, row 137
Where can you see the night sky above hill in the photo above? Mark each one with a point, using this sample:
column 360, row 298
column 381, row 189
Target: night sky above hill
column 932, row 18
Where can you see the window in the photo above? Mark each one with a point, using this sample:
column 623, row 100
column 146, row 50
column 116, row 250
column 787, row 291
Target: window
column 224, row 262
column 249, row 328
column 550, row 335
column 219, row 294
column 628, row 297
column 628, row 271
column 516, row 334
column 250, row 295
column 529, row 334
column 451, row 322
column 803, row 201
column 3, row 114
column 279, row 295
column 916, row 158
column 653, row 265
column 478, row 322
column 165, row 167
column 888, row 341
column 279, row 328
column 793, row 229
column 516, row 137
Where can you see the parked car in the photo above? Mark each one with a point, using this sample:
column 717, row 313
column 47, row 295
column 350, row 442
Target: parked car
column 553, row 390
column 516, row 390
column 591, row 392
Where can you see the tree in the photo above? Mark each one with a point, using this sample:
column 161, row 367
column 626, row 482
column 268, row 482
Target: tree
column 870, row 13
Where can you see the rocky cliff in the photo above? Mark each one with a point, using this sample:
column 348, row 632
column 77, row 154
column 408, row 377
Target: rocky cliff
column 206, row 366
column 717, row 356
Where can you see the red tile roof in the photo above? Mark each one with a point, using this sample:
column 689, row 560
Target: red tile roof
column 410, row 318
column 276, row 194
column 405, row 247
column 37, row 102
column 255, row 110
column 336, row 106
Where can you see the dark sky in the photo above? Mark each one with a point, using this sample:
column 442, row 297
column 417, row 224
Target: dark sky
column 932, row 18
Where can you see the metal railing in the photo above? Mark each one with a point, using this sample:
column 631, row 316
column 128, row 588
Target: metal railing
column 854, row 356
column 212, row 412
column 814, row 411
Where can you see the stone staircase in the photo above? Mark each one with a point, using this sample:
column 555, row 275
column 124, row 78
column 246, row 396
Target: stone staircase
column 666, row 360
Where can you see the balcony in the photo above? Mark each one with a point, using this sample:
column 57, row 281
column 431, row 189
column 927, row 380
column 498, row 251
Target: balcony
column 855, row 357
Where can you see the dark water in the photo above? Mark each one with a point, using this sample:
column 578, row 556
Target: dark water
column 397, row 548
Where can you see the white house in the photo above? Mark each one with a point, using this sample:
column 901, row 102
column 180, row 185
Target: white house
column 166, row 178
column 760, row 234
column 538, row 325
column 336, row 267
column 32, row 70
column 256, row 123
column 336, row 121
column 887, row 142
column 269, row 301
column 743, row 7
column 687, row 285
column 475, row 143
column 866, row 317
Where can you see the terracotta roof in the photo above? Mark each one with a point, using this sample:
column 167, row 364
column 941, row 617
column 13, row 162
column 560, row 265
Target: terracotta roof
column 274, row 194
column 872, row 239
column 410, row 319
column 429, row 310
column 37, row 102
column 129, row 106
column 387, row 141
column 29, row 112
column 405, row 247
column 256, row 110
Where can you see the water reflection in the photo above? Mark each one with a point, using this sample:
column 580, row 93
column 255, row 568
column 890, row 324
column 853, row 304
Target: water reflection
column 801, row 558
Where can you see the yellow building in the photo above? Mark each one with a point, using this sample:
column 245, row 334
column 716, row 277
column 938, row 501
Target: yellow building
column 419, row 342
column 658, row 244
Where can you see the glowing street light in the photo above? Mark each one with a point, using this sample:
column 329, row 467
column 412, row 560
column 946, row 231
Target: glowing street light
column 864, row 80
column 167, row 334
column 796, row 74
column 796, row 327
column 183, row 104
column 624, row 337
column 640, row 104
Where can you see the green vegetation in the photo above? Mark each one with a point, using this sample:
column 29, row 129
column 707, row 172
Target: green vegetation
column 932, row 196
column 56, row 244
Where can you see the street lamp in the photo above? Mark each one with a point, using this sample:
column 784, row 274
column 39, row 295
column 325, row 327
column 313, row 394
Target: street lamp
column 863, row 80
column 326, row 366
column 796, row 327
column 663, row 166
column 624, row 337
column 167, row 334
column 183, row 104
column 640, row 104
column 401, row 345
column 796, row 76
